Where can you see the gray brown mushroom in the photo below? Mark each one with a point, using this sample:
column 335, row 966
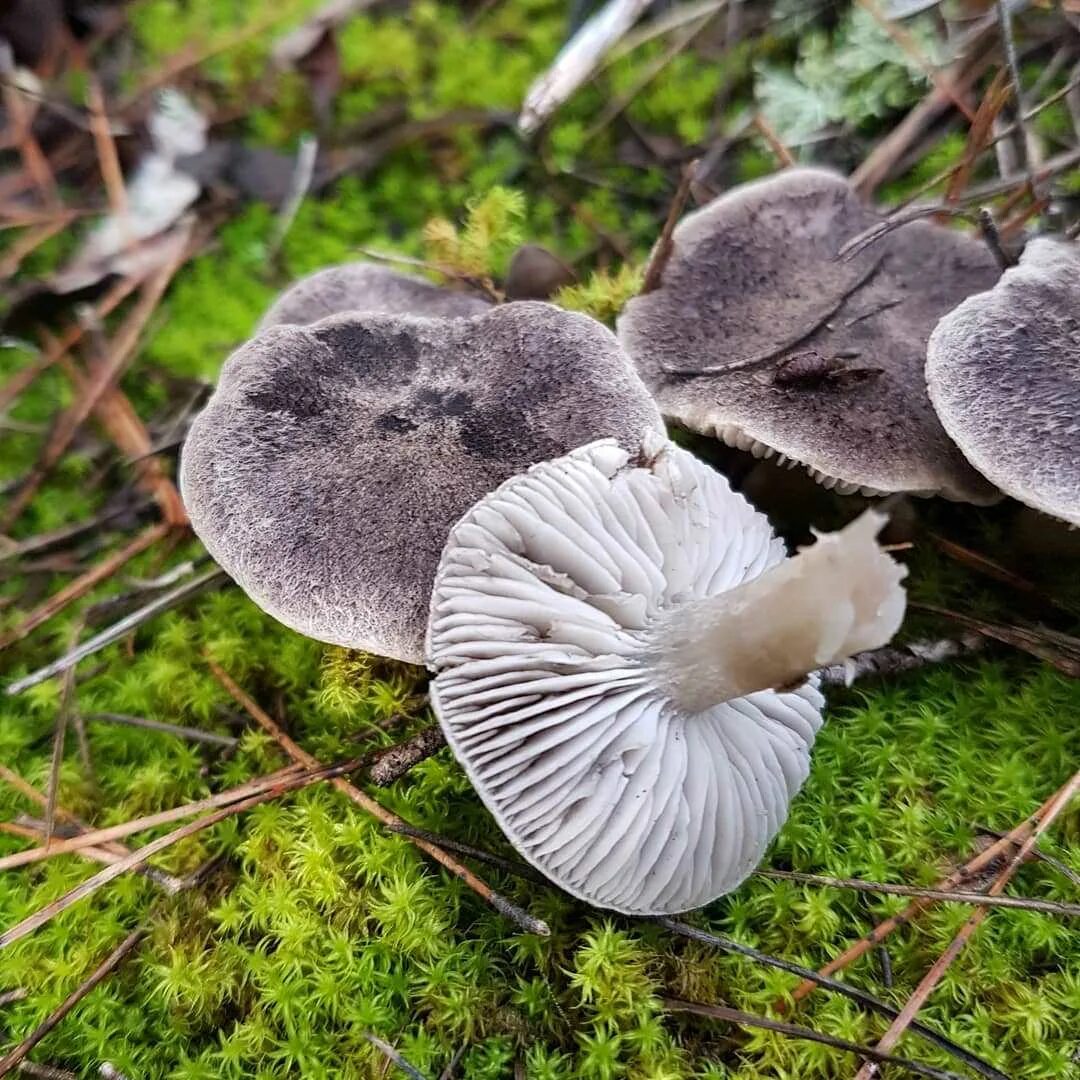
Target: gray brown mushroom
column 365, row 286
column 332, row 460
column 1003, row 370
column 760, row 335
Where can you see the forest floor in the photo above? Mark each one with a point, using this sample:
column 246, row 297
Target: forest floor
column 287, row 932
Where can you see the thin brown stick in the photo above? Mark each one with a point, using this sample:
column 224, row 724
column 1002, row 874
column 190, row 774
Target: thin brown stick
column 122, row 424
column 775, row 143
column 30, row 792
column 982, row 564
column 392, row 1055
column 51, row 353
column 794, row 1031
column 30, row 241
column 908, row 44
column 1060, row 650
column 95, row 837
column 1017, row 835
column 661, row 256
column 34, row 829
column 511, row 866
column 930, row 980
column 1004, row 21
column 35, row 163
column 1005, row 132
column 102, row 971
column 395, row 762
column 286, row 784
column 1011, row 228
column 78, row 588
column 10, row 997
column 108, row 159
column 879, row 163
column 121, row 628
column 977, row 899
column 1038, row 855
column 102, row 379
column 72, row 822
column 981, row 131
column 53, row 788
column 521, row 917
column 26, row 832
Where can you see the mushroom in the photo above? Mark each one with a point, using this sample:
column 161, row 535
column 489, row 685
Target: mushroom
column 363, row 286
column 535, row 273
column 1003, row 371
column 332, row 460
column 608, row 636
column 761, row 336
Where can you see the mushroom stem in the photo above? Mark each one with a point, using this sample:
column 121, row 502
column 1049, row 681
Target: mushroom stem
column 834, row 599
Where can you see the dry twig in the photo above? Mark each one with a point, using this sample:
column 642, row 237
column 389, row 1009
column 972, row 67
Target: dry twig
column 94, row 837
column 896, row 659
column 181, row 732
column 862, row 997
column 511, row 911
column 745, row 1019
column 107, row 966
column 78, row 588
column 978, row 899
column 90, row 393
column 286, row 783
column 121, row 628
column 392, row 1055
column 1017, row 835
column 52, row 352
column 395, row 762
column 1057, row 804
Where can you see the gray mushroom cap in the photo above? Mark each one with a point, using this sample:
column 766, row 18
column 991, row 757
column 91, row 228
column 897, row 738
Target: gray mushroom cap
column 332, row 460
column 1003, row 371
column 761, row 336
column 364, row 286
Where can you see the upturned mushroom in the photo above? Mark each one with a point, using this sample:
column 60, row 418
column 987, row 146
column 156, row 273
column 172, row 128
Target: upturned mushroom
column 365, row 286
column 332, row 460
column 759, row 335
column 608, row 635
column 1003, row 371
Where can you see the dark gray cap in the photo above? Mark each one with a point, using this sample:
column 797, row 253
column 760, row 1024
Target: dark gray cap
column 1003, row 371
column 365, row 286
column 332, row 461
column 761, row 336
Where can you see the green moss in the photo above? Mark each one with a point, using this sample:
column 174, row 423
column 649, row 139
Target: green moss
column 320, row 928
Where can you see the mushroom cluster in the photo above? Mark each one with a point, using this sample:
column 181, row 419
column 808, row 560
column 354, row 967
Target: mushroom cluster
column 623, row 656
column 793, row 322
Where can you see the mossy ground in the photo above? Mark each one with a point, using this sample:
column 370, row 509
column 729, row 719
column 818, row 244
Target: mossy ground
column 320, row 928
